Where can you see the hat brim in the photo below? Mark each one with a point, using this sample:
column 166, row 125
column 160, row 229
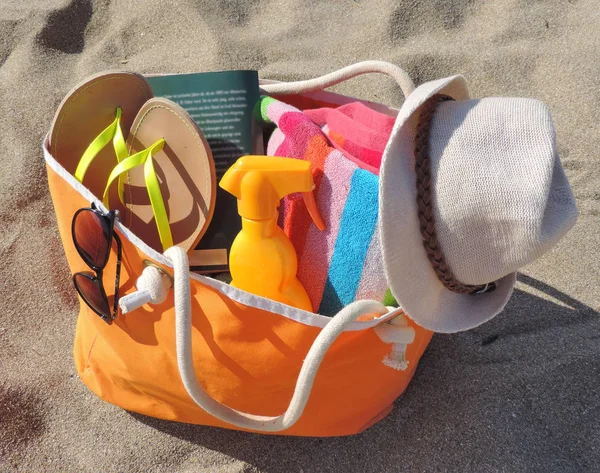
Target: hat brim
column 411, row 278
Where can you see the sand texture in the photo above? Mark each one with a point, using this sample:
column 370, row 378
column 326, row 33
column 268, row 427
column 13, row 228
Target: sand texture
column 518, row 394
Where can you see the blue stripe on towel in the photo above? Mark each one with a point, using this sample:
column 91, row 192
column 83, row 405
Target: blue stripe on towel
column 357, row 227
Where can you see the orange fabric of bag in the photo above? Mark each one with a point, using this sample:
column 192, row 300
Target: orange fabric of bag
column 244, row 357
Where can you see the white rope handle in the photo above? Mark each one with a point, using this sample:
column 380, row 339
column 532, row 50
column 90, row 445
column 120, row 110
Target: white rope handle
column 308, row 372
column 341, row 75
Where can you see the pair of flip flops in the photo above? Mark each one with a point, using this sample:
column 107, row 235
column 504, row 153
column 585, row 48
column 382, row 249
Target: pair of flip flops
column 144, row 156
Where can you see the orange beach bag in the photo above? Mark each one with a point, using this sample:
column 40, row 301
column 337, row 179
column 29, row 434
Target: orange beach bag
column 215, row 355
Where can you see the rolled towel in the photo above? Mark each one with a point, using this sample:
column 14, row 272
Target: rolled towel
column 342, row 263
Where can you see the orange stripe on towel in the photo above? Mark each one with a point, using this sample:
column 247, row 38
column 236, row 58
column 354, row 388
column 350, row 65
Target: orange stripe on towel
column 316, row 152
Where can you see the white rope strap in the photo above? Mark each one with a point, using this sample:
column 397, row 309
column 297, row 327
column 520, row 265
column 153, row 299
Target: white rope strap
column 152, row 288
column 183, row 321
column 341, row 75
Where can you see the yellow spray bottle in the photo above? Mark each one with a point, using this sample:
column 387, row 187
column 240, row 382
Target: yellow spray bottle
column 262, row 259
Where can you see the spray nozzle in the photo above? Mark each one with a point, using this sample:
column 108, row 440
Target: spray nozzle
column 260, row 182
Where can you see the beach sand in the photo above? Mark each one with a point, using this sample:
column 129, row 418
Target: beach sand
column 518, row 394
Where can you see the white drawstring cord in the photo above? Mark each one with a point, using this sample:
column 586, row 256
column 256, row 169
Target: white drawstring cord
column 400, row 335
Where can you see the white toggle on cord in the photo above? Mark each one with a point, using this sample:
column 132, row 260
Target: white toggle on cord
column 152, row 288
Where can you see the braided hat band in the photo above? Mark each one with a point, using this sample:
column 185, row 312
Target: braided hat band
column 425, row 203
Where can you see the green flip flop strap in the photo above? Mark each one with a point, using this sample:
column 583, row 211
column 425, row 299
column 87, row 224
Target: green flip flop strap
column 152, row 186
column 111, row 132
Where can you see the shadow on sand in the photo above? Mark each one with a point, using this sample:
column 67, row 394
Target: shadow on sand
column 504, row 396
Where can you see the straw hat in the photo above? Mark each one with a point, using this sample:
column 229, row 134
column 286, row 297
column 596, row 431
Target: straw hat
column 470, row 191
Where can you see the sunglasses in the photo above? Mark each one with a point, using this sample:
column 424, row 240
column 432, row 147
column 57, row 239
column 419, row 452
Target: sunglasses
column 93, row 234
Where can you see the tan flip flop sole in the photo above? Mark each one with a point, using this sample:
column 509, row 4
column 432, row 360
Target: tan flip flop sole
column 87, row 110
column 185, row 170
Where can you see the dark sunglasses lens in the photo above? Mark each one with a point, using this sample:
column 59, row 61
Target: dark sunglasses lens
column 92, row 294
column 91, row 233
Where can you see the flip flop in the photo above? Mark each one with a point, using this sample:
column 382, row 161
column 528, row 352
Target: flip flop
column 89, row 115
column 103, row 109
column 169, row 200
